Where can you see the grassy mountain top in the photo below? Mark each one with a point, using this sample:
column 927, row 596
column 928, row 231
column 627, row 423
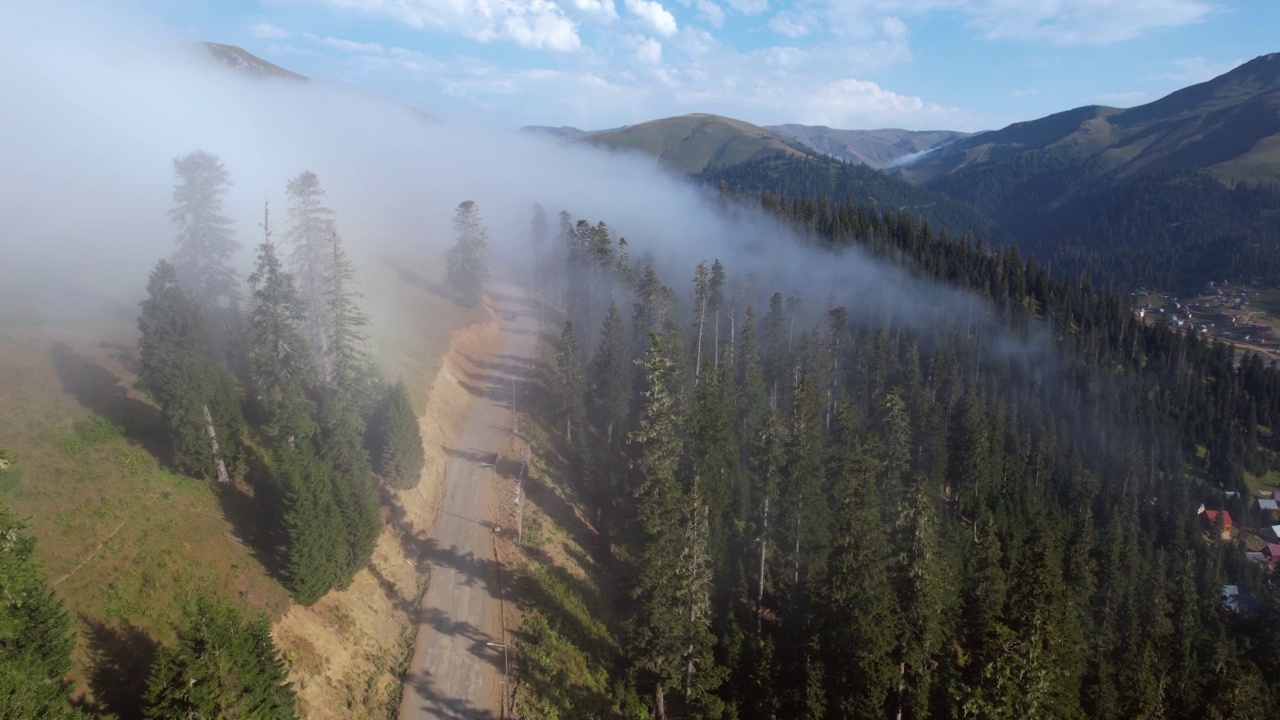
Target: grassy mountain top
column 246, row 62
column 698, row 142
column 563, row 132
column 877, row 148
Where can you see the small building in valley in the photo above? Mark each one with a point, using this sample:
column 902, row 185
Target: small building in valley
column 1216, row 521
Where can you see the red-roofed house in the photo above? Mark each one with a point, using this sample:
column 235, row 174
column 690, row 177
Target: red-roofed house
column 1271, row 552
column 1210, row 519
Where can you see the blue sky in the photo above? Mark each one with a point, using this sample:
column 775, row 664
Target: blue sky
column 919, row 64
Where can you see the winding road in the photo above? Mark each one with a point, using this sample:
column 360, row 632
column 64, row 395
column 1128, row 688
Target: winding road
column 457, row 666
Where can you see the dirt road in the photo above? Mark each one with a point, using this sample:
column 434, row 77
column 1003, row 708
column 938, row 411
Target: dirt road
column 455, row 671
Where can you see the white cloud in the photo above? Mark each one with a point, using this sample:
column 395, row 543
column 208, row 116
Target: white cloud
column 653, row 14
column 601, row 10
column 1026, row 92
column 345, row 45
column 537, row 24
column 748, row 7
column 277, row 49
column 1053, row 22
column 649, row 51
column 267, row 31
column 1192, row 70
column 894, row 28
column 791, row 24
column 1080, row 22
column 860, row 102
column 710, row 12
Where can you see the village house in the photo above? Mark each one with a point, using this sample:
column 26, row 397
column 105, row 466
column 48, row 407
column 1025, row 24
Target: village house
column 1269, row 507
column 1211, row 520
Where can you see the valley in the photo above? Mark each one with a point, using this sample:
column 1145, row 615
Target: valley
column 315, row 404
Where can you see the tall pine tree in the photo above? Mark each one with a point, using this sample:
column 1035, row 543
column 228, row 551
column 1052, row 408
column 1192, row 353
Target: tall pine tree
column 206, row 241
column 467, row 264
column 279, row 355
column 310, row 237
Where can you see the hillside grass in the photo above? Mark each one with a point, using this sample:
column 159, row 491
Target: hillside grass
column 567, row 646
column 123, row 540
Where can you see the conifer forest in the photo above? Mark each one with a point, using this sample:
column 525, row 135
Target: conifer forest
column 823, row 511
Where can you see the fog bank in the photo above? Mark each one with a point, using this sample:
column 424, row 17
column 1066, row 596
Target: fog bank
column 98, row 109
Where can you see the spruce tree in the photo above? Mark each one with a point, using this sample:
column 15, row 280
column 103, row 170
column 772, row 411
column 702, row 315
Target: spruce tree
column 701, row 300
column 35, row 633
column 920, row 580
column 224, row 665
column 279, row 356
column 570, row 381
column 856, row 599
column 752, row 403
column 313, row 554
column 467, row 265
column 350, row 373
column 205, row 240
column 401, row 456
column 310, row 237
column 540, row 234
column 355, row 498
column 655, row 629
column 177, row 374
column 610, row 395
column 716, row 305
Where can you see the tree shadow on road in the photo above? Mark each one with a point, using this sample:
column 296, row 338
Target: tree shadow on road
column 435, row 704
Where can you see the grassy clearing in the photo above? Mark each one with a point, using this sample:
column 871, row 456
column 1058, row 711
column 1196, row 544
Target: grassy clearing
column 123, row 540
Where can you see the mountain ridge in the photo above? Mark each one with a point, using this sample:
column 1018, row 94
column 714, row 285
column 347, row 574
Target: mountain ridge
column 1228, row 125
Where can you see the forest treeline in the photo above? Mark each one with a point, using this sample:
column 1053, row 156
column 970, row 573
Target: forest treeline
column 816, row 514
column 1173, row 228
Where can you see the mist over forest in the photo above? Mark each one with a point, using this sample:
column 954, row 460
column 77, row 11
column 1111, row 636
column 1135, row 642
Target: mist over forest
column 368, row 391
column 97, row 118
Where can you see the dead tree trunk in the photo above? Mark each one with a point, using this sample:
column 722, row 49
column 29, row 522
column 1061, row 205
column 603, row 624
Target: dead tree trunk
column 221, row 467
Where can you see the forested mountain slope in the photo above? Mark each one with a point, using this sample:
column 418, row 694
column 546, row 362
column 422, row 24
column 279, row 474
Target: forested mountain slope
column 1227, row 125
column 1171, row 193
column 822, row 505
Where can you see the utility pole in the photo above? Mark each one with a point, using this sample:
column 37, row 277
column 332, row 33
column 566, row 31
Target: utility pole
column 505, row 674
column 515, row 414
column 524, row 467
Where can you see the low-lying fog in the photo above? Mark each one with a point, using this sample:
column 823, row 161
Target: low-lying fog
column 97, row 108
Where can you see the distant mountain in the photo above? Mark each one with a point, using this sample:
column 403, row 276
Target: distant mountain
column 564, row 132
column 244, row 61
column 1229, row 126
column 750, row 159
column 1164, row 193
column 695, row 143
column 877, row 148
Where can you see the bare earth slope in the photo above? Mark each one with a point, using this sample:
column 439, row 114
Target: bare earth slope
column 454, row 673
